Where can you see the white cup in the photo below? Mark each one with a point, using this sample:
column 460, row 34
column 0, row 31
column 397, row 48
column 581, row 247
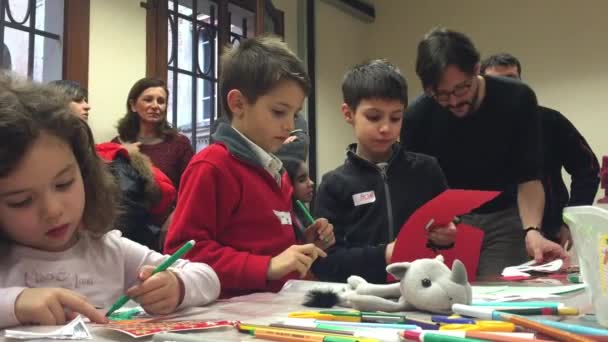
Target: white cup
column 589, row 228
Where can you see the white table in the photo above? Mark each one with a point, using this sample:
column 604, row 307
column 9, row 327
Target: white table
column 264, row 308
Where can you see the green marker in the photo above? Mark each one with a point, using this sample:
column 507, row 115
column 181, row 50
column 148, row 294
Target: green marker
column 305, row 211
column 162, row 267
column 575, row 278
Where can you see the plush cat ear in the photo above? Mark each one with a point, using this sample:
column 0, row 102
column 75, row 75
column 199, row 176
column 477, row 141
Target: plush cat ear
column 398, row 269
column 439, row 257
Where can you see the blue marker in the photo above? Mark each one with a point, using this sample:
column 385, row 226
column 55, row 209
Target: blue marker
column 449, row 320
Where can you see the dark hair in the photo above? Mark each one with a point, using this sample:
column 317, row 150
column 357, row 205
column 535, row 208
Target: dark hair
column 72, row 89
column 292, row 165
column 256, row 66
column 128, row 125
column 27, row 110
column 501, row 59
column 374, row 79
column 440, row 48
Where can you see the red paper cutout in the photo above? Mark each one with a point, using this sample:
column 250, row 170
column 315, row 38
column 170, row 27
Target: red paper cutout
column 412, row 239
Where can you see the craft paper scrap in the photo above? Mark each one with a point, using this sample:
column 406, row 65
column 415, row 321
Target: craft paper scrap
column 514, row 293
column 75, row 330
column 412, row 240
column 530, row 266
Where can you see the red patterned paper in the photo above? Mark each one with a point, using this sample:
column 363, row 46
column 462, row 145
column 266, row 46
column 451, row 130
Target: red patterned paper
column 141, row 329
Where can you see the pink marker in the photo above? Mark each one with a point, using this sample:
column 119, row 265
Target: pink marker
column 412, row 335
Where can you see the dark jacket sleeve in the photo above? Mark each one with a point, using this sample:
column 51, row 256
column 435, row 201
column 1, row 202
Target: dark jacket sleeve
column 133, row 218
column 579, row 161
column 413, row 136
column 344, row 259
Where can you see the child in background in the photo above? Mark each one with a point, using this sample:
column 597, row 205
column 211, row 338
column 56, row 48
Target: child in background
column 303, row 189
column 235, row 199
column 58, row 257
column 380, row 185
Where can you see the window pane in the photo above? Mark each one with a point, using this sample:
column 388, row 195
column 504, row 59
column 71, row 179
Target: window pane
column 184, row 44
column 207, row 49
column 205, row 10
column 170, row 24
column 47, row 59
column 184, row 101
column 170, row 99
column 17, row 43
column 242, row 21
column 185, row 7
column 49, row 16
column 18, row 10
column 206, row 107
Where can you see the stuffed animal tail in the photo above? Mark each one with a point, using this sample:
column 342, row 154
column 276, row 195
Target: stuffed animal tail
column 321, row 298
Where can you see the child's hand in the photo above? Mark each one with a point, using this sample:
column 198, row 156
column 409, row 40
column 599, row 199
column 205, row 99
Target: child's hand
column 47, row 306
column 443, row 235
column 321, row 233
column 158, row 294
column 297, row 258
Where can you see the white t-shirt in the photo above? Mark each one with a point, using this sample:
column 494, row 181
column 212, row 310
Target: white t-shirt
column 101, row 269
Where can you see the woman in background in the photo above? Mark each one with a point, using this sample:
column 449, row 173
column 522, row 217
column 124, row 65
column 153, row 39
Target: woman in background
column 145, row 126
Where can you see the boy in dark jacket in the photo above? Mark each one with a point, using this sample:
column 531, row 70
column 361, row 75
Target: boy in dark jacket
column 380, row 185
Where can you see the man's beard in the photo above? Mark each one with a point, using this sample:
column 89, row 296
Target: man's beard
column 471, row 103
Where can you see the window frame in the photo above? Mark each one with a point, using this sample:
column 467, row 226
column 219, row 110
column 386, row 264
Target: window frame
column 157, row 16
column 76, row 35
column 74, row 39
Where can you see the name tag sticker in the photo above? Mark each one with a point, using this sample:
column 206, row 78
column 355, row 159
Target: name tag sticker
column 283, row 216
column 364, row 198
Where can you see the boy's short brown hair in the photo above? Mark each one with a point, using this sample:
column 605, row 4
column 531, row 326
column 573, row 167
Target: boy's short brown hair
column 256, row 66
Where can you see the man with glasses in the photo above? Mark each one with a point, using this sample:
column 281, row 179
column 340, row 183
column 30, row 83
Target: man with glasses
column 563, row 146
column 485, row 133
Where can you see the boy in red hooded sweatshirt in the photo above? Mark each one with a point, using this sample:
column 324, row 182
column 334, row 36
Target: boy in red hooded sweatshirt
column 235, row 198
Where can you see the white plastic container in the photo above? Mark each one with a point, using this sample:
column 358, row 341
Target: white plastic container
column 589, row 227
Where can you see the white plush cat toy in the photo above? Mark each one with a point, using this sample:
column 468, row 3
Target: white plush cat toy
column 425, row 284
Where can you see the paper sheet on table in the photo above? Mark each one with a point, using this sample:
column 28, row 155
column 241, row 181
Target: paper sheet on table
column 514, row 293
column 75, row 330
column 412, row 239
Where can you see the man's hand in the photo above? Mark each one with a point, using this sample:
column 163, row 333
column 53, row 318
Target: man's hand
column 543, row 250
column 565, row 237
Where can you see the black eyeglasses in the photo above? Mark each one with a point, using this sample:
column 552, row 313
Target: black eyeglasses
column 458, row 91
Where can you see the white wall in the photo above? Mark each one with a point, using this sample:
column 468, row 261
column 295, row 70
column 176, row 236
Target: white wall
column 291, row 18
column 340, row 44
column 117, row 58
column 561, row 44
